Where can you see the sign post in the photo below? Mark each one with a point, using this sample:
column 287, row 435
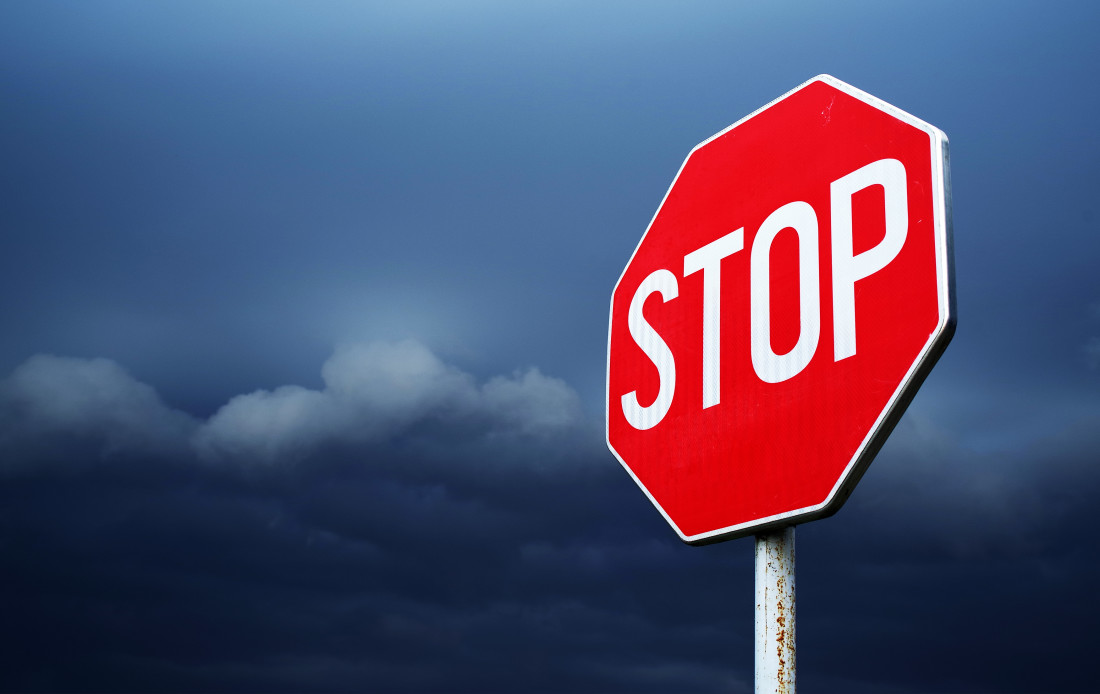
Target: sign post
column 790, row 295
column 774, row 645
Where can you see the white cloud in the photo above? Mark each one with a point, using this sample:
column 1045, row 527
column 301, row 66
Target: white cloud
column 269, row 425
column 372, row 393
column 531, row 402
column 379, row 390
column 48, row 397
column 396, row 383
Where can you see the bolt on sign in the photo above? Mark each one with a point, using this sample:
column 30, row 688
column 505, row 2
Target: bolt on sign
column 791, row 293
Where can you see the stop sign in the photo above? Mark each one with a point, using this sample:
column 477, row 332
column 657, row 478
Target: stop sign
column 789, row 296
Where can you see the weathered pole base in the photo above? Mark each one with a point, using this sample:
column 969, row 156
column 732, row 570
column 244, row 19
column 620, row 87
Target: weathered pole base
column 774, row 647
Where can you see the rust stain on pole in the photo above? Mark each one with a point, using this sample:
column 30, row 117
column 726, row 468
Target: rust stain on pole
column 775, row 613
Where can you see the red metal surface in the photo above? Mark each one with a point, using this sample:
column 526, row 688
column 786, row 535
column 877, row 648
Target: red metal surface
column 770, row 450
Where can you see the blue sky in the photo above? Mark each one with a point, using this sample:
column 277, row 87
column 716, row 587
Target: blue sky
column 304, row 315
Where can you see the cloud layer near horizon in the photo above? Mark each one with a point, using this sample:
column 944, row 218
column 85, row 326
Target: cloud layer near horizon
column 373, row 392
column 405, row 513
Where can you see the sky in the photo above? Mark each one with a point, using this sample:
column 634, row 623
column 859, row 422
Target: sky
column 304, row 326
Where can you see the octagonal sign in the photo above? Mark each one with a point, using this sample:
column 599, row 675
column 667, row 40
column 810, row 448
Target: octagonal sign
column 789, row 296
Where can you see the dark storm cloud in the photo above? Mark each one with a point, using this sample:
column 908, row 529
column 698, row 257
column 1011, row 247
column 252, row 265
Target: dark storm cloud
column 406, row 558
column 405, row 554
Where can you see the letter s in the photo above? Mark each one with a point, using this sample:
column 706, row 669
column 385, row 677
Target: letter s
column 650, row 342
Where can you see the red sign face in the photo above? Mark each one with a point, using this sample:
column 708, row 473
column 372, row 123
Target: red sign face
column 786, row 301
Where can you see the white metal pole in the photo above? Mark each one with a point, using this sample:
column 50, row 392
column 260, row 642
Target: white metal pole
column 774, row 647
